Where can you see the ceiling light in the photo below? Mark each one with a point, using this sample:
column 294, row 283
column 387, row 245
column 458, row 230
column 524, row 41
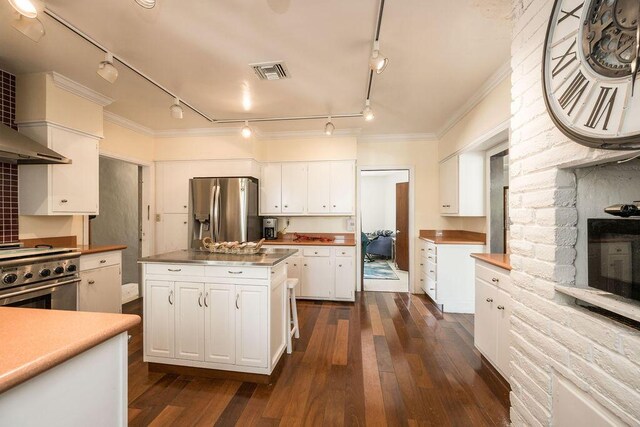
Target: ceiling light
column 367, row 113
column 329, row 127
column 106, row 70
column 24, row 8
column 246, row 130
column 377, row 62
column 176, row 110
column 31, row 28
column 147, row 4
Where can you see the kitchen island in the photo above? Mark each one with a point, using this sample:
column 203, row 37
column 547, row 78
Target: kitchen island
column 218, row 315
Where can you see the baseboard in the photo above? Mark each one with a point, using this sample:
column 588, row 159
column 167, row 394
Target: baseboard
column 129, row 292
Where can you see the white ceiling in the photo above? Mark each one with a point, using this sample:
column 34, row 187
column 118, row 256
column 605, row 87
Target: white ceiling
column 440, row 54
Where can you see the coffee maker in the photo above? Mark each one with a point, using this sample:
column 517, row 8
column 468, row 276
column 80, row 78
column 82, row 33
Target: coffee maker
column 270, row 228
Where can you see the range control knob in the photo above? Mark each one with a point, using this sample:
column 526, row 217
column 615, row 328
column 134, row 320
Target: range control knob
column 10, row 278
column 71, row 268
column 45, row 272
column 28, row 275
column 59, row 270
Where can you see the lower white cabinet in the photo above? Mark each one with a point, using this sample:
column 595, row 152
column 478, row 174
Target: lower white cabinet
column 100, row 288
column 220, row 323
column 189, row 320
column 492, row 322
column 159, row 325
column 251, row 326
column 317, row 277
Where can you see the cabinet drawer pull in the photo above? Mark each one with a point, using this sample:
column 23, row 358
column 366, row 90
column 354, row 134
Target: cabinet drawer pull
column 422, row 249
column 324, row 206
column 432, row 289
column 91, row 282
column 185, row 206
column 430, row 250
column 103, row 261
column 234, row 272
column 494, row 280
column 339, row 265
column 171, row 297
column 489, row 299
column 275, row 206
column 500, row 307
column 286, row 206
column 237, row 297
column 315, row 253
column 206, row 304
column 421, row 264
column 431, row 271
column 422, row 280
column 305, row 265
column 63, row 201
column 295, row 265
column 200, row 299
column 175, row 270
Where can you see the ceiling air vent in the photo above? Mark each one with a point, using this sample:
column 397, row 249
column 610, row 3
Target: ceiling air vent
column 270, row 70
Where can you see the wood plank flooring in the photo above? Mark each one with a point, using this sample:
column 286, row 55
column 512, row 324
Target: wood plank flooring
column 388, row 359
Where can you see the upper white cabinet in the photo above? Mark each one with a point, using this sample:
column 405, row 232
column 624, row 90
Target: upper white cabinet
column 314, row 188
column 175, row 182
column 462, row 185
column 70, row 189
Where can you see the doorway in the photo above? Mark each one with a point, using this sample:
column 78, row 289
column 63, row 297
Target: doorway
column 497, row 167
column 384, row 223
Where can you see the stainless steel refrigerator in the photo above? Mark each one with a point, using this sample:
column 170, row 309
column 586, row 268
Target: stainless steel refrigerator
column 224, row 209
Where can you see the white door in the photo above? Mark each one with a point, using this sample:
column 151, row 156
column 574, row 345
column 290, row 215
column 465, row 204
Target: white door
column 74, row 186
column 100, row 290
column 175, row 232
column 449, row 186
column 343, row 187
column 503, row 308
column 345, row 282
column 251, row 325
column 271, row 189
column 159, row 306
column 485, row 320
column 317, row 277
column 220, row 323
column 319, row 188
column 189, row 321
column 175, row 186
column 294, row 188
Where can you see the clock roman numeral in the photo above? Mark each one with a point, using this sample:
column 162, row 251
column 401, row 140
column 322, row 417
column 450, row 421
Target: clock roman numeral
column 573, row 92
column 565, row 60
column 604, row 105
column 571, row 13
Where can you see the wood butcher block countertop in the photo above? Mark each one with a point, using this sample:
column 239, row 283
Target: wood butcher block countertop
column 71, row 242
column 340, row 239
column 499, row 260
column 96, row 249
column 453, row 237
column 35, row 340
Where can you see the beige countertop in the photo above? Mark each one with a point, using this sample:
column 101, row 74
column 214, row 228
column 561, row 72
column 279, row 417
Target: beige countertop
column 453, row 237
column 35, row 340
column 341, row 239
column 499, row 260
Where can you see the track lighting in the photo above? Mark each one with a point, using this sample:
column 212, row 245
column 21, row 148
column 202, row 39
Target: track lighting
column 106, row 70
column 30, row 27
column 246, row 130
column 367, row 113
column 377, row 62
column 176, row 110
column 329, row 128
column 147, row 4
column 24, row 8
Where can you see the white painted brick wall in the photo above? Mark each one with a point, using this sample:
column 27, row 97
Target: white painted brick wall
column 550, row 334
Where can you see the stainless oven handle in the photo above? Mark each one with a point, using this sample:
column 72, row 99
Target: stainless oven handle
column 30, row 290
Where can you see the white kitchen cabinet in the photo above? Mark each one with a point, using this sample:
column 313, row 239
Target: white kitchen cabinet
column 189, row 321
column 175, row 184
column 345, row 280
column 175, row 232
column 271, row 189
column 68, row 189
column 343, row 187
column 251, row 326
column 100, row 287
column 462, row 185
column 317, row 277
column 319, row 188
column 492, row 320
column 294, row 188
column 159, row 320
column 220, row 323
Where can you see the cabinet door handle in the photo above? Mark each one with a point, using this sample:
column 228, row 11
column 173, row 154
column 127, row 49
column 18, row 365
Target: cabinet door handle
column 185, row 206
column 432, row 289
column 103, row 261
column 500, row 307
column 430, row 250
column 286, row 206
column 422, row 280
column 339, row 265
column 234, row 272
column 275, row 206
column 200, row 299
column 237, row 297
column 63, row 201
column 431, row 271
column 171, row 297
column 175, row 270
column 91, row 282
column 494, row 280
column 324, row 206
column 305, row 265
column 206, row 304
column 489, row 299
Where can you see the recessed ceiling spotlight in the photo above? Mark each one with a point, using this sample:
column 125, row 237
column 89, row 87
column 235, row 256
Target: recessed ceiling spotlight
column 106, row 70
column 30, row 27
column 176, row 110
column 377, row 62
column 329, row 128
column 24, row 8
column 367, row 113
column 147, row 4
column 246, row 130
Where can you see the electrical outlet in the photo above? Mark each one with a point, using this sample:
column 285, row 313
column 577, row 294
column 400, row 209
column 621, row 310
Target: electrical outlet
column 351, row 224
column 158, row 218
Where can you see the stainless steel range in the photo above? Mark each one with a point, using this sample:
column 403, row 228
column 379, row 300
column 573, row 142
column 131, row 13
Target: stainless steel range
column 39, row 277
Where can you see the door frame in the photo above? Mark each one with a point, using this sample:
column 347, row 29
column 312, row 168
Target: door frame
column 412, row 287
column 491, row 151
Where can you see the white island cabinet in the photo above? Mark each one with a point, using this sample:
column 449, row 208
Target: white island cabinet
column 220, row 312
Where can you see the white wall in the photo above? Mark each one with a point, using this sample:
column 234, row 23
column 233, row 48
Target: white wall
column 378, row 199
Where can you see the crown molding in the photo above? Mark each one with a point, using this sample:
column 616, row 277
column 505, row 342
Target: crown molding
column 176, row 133
column 399, row 137
column 49, row 123
column 491, row 83
column 307, row 134
column 76, row 88
column 126, row 123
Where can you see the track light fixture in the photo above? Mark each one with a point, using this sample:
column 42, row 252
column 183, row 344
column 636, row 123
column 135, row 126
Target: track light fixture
column 367, row 113
column 25, row 8
column 329, row 127
column 176, row 109
column 106, row 69
column 246, row 130
column 377, row 62
column 30, row 27
column 147, row 4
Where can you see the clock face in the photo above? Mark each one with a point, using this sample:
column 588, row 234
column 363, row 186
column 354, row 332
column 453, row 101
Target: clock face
column 589, row 66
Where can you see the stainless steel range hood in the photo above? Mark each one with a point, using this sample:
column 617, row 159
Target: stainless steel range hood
column 17, row 148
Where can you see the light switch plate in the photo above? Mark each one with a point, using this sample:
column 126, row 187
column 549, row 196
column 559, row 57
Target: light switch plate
column 158, row 218
column 351, row 224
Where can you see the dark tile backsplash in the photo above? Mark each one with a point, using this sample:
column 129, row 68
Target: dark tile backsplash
column 8, row 172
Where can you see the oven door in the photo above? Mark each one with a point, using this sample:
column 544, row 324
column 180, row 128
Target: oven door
column 58, row 295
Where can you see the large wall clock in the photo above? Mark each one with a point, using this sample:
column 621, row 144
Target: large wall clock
column 590, row 65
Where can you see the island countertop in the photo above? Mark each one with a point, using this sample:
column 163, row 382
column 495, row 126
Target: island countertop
column 264, row 258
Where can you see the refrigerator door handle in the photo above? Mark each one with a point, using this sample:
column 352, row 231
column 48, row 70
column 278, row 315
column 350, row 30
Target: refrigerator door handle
column 216, row 213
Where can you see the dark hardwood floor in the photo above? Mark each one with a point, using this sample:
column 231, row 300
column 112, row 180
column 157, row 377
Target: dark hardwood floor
column 388, row 359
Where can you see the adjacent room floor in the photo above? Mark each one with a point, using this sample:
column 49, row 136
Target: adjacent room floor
column 387, row 359
column 383, row 275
